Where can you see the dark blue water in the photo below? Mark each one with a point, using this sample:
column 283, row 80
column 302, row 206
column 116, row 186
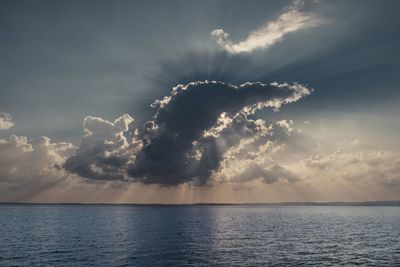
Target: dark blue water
column 56, row 235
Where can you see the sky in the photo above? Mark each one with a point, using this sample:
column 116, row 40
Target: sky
column 199, row 101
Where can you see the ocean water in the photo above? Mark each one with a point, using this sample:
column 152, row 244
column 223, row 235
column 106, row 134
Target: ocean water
column 122, row 235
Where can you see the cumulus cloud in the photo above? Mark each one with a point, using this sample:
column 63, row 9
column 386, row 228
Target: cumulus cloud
column 198, row 123
column 290, row 21
column 5, row 121
column 252, row 158
column 193, row 129
column 196, row 132
column 31, row 165
column 104, row 151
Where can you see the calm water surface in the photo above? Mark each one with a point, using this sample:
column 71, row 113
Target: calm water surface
column 63, row 235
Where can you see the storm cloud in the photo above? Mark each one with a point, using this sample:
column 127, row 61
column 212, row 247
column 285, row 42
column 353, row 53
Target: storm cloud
column 186, row 140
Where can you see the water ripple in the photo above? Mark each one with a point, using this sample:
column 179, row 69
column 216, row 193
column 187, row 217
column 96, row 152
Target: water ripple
column 62, row 235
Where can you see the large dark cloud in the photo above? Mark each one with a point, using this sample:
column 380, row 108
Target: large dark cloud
column 185, row 142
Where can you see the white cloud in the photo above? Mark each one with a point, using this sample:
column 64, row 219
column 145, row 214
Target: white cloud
column 5, row 121
column 272, row 32
column 31, row 165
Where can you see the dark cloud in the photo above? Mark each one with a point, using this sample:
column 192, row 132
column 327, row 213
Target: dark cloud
column 185, row 142
column 177, row 146
column 104, row 151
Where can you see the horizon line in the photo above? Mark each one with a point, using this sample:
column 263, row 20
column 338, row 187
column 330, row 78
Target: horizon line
column 286, row 203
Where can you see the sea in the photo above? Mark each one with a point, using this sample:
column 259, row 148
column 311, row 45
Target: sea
column 198, row 235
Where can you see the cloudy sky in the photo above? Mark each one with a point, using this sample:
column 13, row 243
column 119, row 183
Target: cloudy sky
column 199, row 101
